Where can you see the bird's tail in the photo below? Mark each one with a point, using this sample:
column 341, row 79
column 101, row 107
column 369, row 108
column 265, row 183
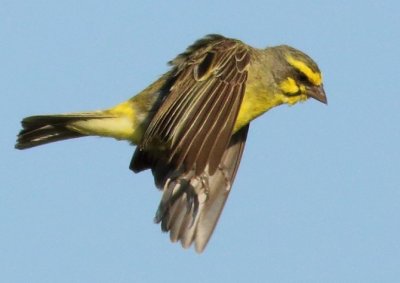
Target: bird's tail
column 43, row 129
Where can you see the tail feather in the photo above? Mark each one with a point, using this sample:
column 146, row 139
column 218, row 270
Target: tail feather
column 43, row 129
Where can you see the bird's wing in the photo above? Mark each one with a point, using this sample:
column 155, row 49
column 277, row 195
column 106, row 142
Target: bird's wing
column 195, row 121
column 191, row 205
column 189, row 143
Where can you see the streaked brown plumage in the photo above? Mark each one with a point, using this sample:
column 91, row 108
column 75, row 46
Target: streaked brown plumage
column 191, row 124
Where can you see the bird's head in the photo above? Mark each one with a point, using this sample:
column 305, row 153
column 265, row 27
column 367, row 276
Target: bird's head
column 297, row 76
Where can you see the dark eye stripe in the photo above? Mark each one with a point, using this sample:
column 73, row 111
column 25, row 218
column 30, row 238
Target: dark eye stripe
column 303, row 78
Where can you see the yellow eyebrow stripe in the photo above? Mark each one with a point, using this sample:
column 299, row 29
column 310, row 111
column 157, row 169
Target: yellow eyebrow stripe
column 315, row 78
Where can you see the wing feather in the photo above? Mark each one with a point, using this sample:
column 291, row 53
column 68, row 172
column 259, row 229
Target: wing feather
column 190, row 145
column 207, row 81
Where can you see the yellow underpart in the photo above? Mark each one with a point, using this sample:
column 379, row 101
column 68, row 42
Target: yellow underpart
column 118, row 122
column 314, row 77
column 289, row 86
column 127, row 116
column 257, row 101
column 123, row 109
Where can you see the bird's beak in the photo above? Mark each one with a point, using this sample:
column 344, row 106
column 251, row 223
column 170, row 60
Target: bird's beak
column 318, row 93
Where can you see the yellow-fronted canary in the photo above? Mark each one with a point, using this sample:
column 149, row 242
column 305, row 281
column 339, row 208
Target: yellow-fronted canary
column 190, row 125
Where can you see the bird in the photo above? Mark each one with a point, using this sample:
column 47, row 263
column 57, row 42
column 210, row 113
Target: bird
column 190, row 126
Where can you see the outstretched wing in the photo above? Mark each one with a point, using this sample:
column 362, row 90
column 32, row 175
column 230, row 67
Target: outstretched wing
column 189, row 143
column 192, row 204
column 195, row 121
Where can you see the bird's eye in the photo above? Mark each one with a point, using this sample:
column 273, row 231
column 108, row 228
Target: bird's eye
column 303, row 78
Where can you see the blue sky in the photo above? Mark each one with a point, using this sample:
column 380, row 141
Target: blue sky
column 317, row 196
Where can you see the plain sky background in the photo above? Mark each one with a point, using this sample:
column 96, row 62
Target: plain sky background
column 317, row 196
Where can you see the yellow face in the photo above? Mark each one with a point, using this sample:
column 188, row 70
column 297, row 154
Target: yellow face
column 296, row 78
column 302, row 82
